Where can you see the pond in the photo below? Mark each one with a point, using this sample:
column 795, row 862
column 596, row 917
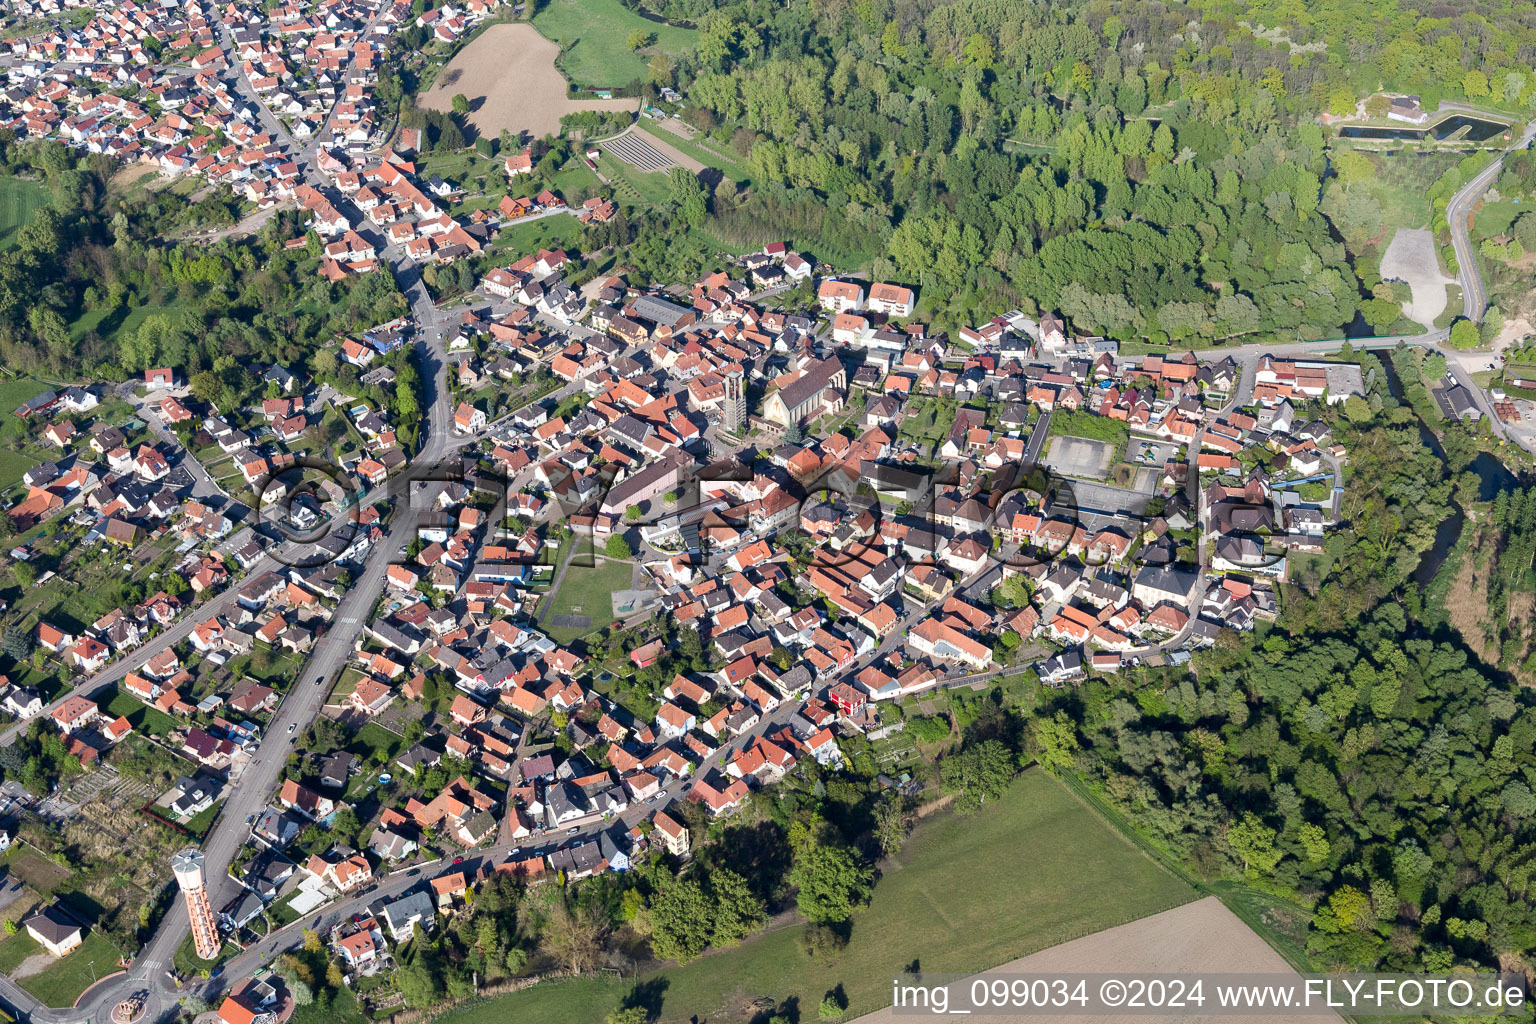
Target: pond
column 1477, row 130
column 1492, row 477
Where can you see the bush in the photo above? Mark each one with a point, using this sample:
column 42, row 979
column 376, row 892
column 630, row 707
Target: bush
column 928, row 728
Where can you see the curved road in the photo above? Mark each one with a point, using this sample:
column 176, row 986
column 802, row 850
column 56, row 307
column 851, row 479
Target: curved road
column 303, row 702
column 1474, row 298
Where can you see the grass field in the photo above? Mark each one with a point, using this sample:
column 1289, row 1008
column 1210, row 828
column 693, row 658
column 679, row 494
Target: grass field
column 61, row 984
column 574, row 177
column 593, row 37
column 19, row 202
column 15, row 949
column 141, row 716
column 547, row 232
column 12, row 465
column 1495, row 218
column 15, row 390
column 586, row 590
column 1032, row 871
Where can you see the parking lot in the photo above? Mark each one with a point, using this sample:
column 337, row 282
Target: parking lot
column 1151, row 453
column 1080, row 457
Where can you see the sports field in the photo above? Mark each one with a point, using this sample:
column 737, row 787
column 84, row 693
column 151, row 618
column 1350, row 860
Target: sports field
column 19, row 202
column 584, row 601
column 595, row 37
column 1031, row 871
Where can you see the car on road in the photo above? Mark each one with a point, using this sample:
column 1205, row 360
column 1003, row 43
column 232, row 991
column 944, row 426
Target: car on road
column 292, row 726
column 572, row 831
column 458, row 860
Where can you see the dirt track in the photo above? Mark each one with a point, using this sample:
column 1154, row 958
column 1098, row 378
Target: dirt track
column 1203, row 936
column 508, row 74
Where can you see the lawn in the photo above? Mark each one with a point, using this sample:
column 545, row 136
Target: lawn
column 531, row 236
column 1495, row 218
column 573, row 177
column 585, row 590
column 374, row 736
column 201, row 822
column 189, row 963
column 141, row 716
column 593, row 37
column 20, row 200
column 341, row 1008
column 925, row 420
column 15, row 949
column 61, row 984
column 944, row 904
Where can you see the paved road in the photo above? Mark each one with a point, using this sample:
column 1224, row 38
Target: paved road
column 172, row 635
column 203, row 485
column 1474, row 298
column 303, row 702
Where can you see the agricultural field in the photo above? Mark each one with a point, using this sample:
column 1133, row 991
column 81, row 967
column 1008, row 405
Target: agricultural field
column 632, row 185
column 706, row 151
column 1201, row 936
column 594, row 38
column 20, row 200
column 509, row 76
column 1074, row 876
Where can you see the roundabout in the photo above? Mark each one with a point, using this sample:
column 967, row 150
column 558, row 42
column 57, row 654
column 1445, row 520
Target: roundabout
column 129, row 1010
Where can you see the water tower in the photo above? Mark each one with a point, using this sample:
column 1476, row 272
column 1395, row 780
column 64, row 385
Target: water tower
column 188, row 869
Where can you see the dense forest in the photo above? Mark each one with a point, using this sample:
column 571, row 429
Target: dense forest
column 1152, row 170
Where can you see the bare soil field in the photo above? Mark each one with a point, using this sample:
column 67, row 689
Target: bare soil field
column 508, row 75
column 1202, row 936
